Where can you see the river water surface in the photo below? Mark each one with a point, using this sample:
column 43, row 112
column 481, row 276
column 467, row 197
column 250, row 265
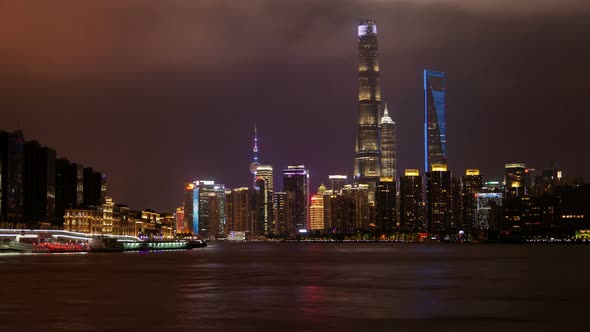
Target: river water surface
column 301, row 287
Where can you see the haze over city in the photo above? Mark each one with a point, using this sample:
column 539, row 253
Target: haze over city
column 166, row 92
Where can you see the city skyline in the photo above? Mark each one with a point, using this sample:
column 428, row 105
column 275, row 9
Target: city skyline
column 168, row 143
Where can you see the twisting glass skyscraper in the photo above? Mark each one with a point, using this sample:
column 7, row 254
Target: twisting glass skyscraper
column 435, row 133
column 367, row 163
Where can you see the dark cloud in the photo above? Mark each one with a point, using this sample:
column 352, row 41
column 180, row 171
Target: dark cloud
column 156, row 93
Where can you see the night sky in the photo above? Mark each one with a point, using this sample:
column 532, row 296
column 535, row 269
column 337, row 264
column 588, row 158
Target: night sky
column 155, row 93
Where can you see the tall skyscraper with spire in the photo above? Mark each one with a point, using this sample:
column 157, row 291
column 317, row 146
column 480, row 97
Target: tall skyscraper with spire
column 388, row 146
column 367, row 162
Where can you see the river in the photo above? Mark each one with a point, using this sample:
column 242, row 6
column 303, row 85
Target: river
column 300, row 287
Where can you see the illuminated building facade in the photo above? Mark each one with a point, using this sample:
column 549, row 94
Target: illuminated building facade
column 216, row 207
column 238, row 209
column 357, row 205
column 386, row 220
column 411, row 204
column 328, row 197
column 208, row 220
column 471, row 185
column 367, row 165
column 116, row 219
column 439, row 200
column 179, row 220
column 488, row 211
column 280, row 211
column 337, row 182
column 348, row 210
column 388, row 146
column 435, row 150
column 254, row 165
column 296, row 185
column 317, row 209
column 11, row 176
column 263, row 189
column 514, row 180
column 188, row 207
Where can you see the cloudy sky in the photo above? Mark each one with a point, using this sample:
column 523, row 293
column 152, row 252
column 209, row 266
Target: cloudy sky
column 155, row 93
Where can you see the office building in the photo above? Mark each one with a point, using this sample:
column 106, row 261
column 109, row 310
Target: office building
column 440, row 214
column 471, row 185
column 337, row 182
column 386, row 220
column 238, row 209
column 188, row 207
column 411, row 204
column 388, row 146
column 296, row 186
column 280, row 211
column 66, row 188
column 348, row 210
column 435, row 150
column 367, row 165
column 39, row 185
column 208, row 212
column 488, row 213
column 12, row 146
column 514, row 180
column 263, row 207
column 92, row 187
column 264, row 193
column 179, row 220
column 317, row 209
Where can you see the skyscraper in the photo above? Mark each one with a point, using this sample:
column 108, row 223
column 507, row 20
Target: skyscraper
column 39, row 184
column 515, row 180
column 439, row 200
column 411, row 201
column 388, row 146
column 179, row 220
column 367, row 163
column 435, row 133
column 471, row 185
column 92, row 187
column 353, row 208
column 79, row 184
column 337, row 182
column 317, row 209
column 208, row 219
column 262, row 207
column 66, row 187
column 238, row 209
column 385, row 204
column 263, row 191
column 11, row 176
column 189, row 192
column 296, row 185
column 280, row 210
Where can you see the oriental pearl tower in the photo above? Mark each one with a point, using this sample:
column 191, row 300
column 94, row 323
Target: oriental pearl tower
column 254, row 165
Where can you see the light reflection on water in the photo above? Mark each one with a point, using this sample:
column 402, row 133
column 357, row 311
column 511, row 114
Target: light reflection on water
column 299, row 286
